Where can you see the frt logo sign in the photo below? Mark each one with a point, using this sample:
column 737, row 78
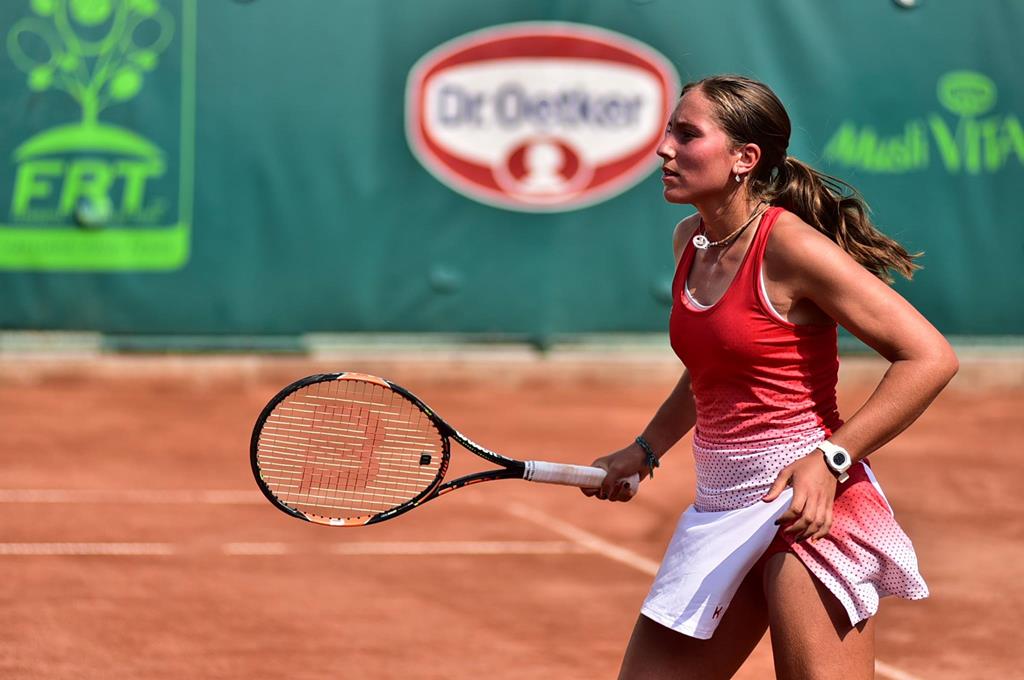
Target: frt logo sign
column 539, row 116
column 97, row 152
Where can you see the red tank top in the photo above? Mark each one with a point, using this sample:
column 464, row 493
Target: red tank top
column 755, row 377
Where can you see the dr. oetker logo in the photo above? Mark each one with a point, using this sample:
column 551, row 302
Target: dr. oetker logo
column 539, row 116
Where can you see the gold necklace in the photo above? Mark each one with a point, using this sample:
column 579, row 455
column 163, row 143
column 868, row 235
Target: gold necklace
column 701, row 241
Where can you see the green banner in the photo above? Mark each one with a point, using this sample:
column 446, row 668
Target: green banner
column 272, row 168
column 96, row 179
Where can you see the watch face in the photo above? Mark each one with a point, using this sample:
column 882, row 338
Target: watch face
column 839, row 459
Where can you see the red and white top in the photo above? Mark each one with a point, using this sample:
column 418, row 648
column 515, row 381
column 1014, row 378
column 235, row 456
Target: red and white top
column 762, row 384
column 765, row 391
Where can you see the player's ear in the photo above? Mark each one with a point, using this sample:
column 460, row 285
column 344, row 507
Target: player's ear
column 746, row 157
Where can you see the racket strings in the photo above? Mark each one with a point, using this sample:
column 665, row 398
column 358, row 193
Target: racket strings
column 348, row 448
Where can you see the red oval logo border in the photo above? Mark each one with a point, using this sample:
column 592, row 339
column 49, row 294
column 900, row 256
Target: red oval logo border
column 623, row 173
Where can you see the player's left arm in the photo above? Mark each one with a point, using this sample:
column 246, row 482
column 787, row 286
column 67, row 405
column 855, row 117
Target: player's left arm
column 921, row 360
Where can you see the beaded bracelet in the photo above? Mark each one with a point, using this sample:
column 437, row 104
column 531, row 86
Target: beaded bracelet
column 652, row 460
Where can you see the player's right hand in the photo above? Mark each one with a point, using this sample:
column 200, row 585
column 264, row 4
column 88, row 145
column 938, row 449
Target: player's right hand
column 621, row 465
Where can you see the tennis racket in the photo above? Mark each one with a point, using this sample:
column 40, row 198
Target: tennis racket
column 349, row 449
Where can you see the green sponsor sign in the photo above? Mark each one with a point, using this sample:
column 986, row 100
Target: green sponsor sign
column 102, row 180
column 316, row 216
column 977, row 141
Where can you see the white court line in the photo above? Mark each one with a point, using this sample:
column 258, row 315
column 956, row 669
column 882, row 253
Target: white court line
column 584, row 538
column 119, row 549
column 887, row 671
column 625, row 556
column 462, row 548
column 585, row 541
column 350, row 549
column 155, row 496
column 255, row 549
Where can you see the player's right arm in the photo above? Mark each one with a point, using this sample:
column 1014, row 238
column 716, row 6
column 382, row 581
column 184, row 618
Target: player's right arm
column 676, row 416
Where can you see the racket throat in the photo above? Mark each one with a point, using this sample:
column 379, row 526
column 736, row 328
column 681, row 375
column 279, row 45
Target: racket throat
column 516, row 471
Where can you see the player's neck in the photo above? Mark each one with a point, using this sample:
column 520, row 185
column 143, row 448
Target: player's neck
column 722, row 216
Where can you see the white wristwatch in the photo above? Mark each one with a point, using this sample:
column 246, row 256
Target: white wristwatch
column 837, row 459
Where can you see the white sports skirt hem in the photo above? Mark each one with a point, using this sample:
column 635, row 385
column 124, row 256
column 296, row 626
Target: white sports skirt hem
column 865, row 557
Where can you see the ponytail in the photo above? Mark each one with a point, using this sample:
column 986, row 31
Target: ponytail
column 837, row 210
column 749, row 111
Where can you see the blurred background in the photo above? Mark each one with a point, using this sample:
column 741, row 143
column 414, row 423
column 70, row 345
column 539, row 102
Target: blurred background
column 251, row 173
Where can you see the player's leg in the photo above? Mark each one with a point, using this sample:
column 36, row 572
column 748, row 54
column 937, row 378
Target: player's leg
column 656, row 652
column 812, row 638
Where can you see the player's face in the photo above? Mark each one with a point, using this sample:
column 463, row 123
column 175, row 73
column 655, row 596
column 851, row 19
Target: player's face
column 697, row 156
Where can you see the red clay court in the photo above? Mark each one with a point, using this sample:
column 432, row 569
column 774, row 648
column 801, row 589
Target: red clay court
column 136, row 544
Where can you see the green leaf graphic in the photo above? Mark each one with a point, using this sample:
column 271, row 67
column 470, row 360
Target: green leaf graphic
column 69, row 62
column 94, row 71
column 146, row 8
column 126, row 83
column 91, row 12
column 144, row 59
column 43, row 8
column 40, row 78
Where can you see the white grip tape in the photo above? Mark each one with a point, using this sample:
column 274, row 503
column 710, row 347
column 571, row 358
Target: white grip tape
column 582, row 476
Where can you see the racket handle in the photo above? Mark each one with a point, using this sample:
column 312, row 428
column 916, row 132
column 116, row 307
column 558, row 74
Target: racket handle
column 583, row 476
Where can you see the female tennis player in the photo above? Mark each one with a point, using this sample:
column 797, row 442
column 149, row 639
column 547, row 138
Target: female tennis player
column 789, row 529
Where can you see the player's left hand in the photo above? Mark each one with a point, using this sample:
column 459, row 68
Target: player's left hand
column 814, row 491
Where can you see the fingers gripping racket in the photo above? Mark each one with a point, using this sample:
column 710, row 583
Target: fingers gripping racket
column 348, row 449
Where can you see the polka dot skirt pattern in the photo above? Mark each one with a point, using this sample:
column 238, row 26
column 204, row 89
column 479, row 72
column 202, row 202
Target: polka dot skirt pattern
column 866, row 555
column 731, row 476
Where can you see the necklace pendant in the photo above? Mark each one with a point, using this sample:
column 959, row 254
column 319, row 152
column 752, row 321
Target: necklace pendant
column 701, row 241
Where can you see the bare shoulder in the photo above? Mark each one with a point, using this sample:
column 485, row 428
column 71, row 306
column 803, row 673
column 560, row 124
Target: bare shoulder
column 797, row 251
column 808, row 264
column 684, row 230
column 793, row 241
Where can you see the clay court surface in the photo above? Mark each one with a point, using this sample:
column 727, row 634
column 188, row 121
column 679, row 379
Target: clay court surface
column 136, row 545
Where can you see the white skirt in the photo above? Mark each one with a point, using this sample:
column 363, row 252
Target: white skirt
column 705, row 563
column 864, row 557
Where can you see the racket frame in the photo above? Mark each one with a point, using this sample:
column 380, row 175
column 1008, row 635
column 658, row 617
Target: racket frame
column 510, row 467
